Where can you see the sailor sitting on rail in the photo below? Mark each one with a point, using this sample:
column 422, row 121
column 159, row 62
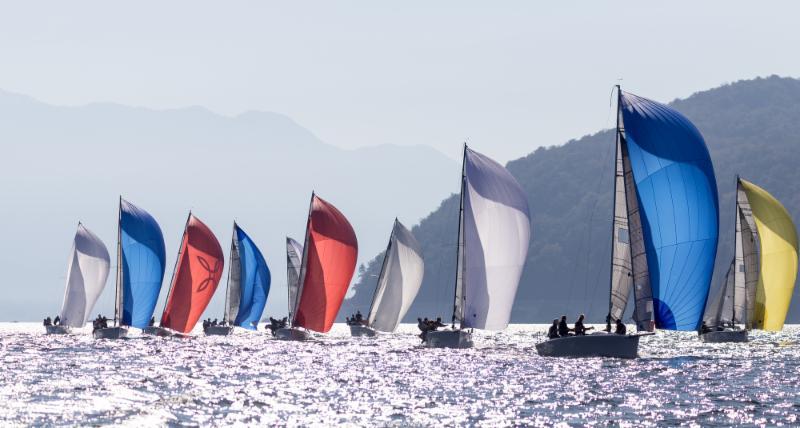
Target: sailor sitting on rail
column 579, row 329
column 621, row 329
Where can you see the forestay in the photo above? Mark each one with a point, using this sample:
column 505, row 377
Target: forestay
column 496, row 235
column 399, row 280
column 87, row 273
column 142, row 263
column 677, row 195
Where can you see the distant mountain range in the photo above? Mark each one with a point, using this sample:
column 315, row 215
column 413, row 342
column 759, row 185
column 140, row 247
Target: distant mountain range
column 60, row 165
column 752, row 128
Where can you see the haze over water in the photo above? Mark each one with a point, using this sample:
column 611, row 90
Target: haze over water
column 253, row 380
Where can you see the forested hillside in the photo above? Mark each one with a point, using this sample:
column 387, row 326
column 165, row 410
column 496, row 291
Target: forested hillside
column 751, row 127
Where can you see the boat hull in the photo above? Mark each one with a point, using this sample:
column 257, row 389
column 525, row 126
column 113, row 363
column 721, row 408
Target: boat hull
column 293, row 333
column 724, row 336
column 110, row 333
column 593, row 345
column 218, row 330
column 358, row 330
column 58, row 329
column 158, row 331
column 448, row 339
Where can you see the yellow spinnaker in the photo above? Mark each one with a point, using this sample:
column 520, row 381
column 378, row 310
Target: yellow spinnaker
column 778, row 259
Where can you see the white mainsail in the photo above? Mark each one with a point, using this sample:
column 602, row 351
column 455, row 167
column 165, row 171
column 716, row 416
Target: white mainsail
column 87, row 273
column 294, row 254
column 749, row 240
column 621, row 263
column 496, row 230
column 399, row 280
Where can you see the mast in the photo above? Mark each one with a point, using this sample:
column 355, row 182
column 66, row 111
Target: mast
column 118, row 288
column 736, row 230
column 460, row 243
column 383, row 268
column 228, row 284
column 289, row 278
column 177, row 260
column 617, row 143
column 302, row 277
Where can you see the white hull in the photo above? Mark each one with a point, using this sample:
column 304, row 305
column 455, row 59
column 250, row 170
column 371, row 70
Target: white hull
column 158, row 331
column 724, row 336
column 448, row 339
column 293, row 333
column 218, row 330
column 110, row 333
column 358, row 330
column 593, row 345
column 58, row 329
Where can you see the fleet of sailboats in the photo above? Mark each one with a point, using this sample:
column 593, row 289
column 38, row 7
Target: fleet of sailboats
column 664, row 235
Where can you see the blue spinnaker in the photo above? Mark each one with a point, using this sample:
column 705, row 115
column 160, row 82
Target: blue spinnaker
column 143, row 258
column 677, row 195
column 255, row 281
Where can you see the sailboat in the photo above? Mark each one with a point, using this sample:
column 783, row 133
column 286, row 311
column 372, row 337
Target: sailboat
column 398, row 283
column 87, row 272
column 329, row 259
column 248, row 286
column 760, row 280
column 494, row 229
column 197, row 272
column 141, row 258
column 664, row 229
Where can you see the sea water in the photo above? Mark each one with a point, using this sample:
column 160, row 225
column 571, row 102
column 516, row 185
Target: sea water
column 250, row 379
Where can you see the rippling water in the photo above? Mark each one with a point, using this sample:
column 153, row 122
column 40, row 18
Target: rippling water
column 253, row 380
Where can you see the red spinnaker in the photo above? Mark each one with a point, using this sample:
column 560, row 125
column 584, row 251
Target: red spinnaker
column 196, row 277
column 331, row 252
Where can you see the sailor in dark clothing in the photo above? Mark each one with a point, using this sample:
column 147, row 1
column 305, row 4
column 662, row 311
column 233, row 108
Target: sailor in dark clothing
column 439, row 322
column 552, row 333
column 579, row 329
column 620, row 328
column 48, row 321
column 152, row 321
column 704, row 328
column 563, row 328
column 57, row 320
column 359, row 317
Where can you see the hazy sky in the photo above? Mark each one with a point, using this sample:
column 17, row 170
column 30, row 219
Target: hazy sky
column 510, row 76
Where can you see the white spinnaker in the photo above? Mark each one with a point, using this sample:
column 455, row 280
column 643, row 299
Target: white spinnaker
column 399, row 281
column 87, row 273
column 294, row 254
column 497, row 231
